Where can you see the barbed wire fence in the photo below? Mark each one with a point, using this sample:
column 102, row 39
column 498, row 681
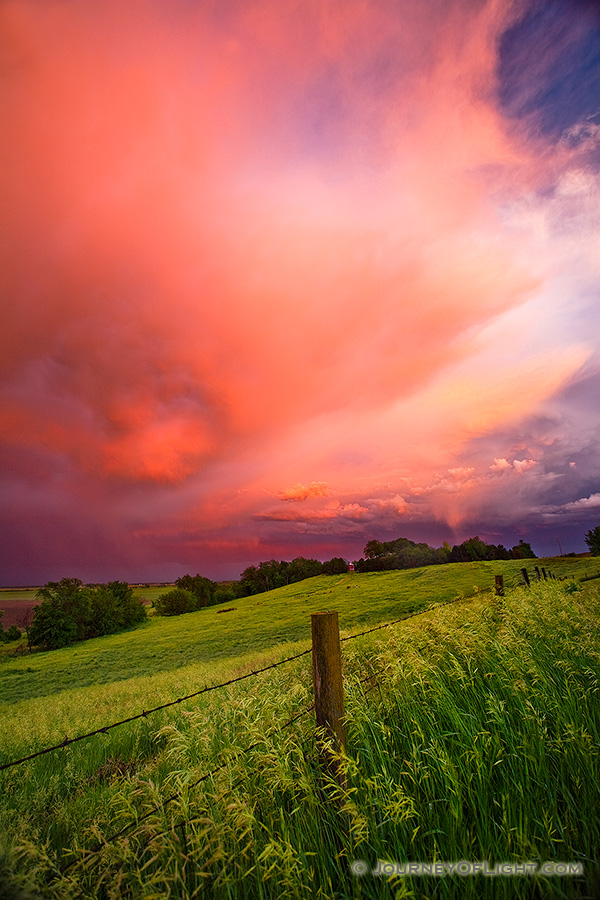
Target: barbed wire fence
column 372, row 678
column 103, row 729
column 145, row 713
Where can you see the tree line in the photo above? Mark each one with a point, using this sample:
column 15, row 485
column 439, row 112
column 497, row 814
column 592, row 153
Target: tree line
column 71, row 611
column 193, row 592
column 403, row 553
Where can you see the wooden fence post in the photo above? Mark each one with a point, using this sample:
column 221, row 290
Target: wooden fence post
column 327, row 675
column 499, row 585
column 537, row 572
column 525, row 576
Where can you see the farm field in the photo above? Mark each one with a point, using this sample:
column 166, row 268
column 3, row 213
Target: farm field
column 15, row 601
column 478, row 740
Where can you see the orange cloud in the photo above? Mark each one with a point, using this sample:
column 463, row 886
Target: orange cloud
column 278, row 245
column 299, row 492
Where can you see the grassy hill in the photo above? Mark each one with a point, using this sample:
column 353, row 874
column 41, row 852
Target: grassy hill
column 480, row 741
column 259, row 623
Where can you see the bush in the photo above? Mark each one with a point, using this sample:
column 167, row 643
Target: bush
column 11, row 634
column 176, row 602
column 202, row 588
column 225, row 595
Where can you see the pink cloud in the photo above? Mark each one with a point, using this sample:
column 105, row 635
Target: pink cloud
column 296, row 246
column 299, row 492
column 522, row 465
column 500, row 465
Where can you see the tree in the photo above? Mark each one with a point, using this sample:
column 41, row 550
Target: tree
column 11, row 634
column 24, row 621
column 176, row 602
column 592, row 539
column 470, row 550
column 63, row 615
column 130, row 609
column 51, row 626
column 225, row 593
column 202, row 588
column 335, row 566
column 374, row 549
column 71, row 611
column 522, row 550
column 301, row 568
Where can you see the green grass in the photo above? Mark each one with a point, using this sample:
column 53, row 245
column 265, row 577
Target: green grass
column 480, row 742
column 165, row 645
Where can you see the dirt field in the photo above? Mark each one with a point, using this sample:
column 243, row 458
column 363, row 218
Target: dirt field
column 15, row 610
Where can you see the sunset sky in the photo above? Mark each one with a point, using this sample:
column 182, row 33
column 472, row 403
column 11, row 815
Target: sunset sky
column 282, row 276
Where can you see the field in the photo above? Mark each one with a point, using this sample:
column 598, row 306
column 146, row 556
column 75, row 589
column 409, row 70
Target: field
column 476, row 738
column 16, row 601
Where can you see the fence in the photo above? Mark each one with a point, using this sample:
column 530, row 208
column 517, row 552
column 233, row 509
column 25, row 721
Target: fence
column 328, row 695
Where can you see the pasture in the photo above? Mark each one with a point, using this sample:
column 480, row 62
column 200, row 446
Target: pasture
column 477, row 739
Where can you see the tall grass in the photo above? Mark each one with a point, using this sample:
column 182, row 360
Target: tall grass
column 480, row 741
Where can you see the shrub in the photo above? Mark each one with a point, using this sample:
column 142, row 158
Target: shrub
column 11, row 634
column 176, row 602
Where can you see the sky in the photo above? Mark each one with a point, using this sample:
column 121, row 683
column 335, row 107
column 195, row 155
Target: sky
column 278, row 278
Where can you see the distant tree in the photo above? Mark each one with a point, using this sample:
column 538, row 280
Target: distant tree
column 202, row 588
column 71, row 611
column 470, row 550
column 268, row 576
column 374, row 549
column 130, row 609
column 52, row 628
column 175, row 602
column 335, row 566
column 522, row 550
column 113, row 607
column 249, row 582
column 444, row 553
column 63, row 615
column 301, row 568
column 264, row 577
column 592, row 539
column 24, row 621
column 272, row 574
column 225, row 593
column 367, row 565
column 502, row 552
column 103, row 617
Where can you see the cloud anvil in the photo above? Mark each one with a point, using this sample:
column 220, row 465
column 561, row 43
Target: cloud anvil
column 281, row 278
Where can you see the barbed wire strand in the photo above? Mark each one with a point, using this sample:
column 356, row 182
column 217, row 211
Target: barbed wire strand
column 161, row 806
column 420, row 612
column 145, row 713
column 372, row 677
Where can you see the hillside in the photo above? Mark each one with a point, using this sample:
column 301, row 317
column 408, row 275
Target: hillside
column 471, row 729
